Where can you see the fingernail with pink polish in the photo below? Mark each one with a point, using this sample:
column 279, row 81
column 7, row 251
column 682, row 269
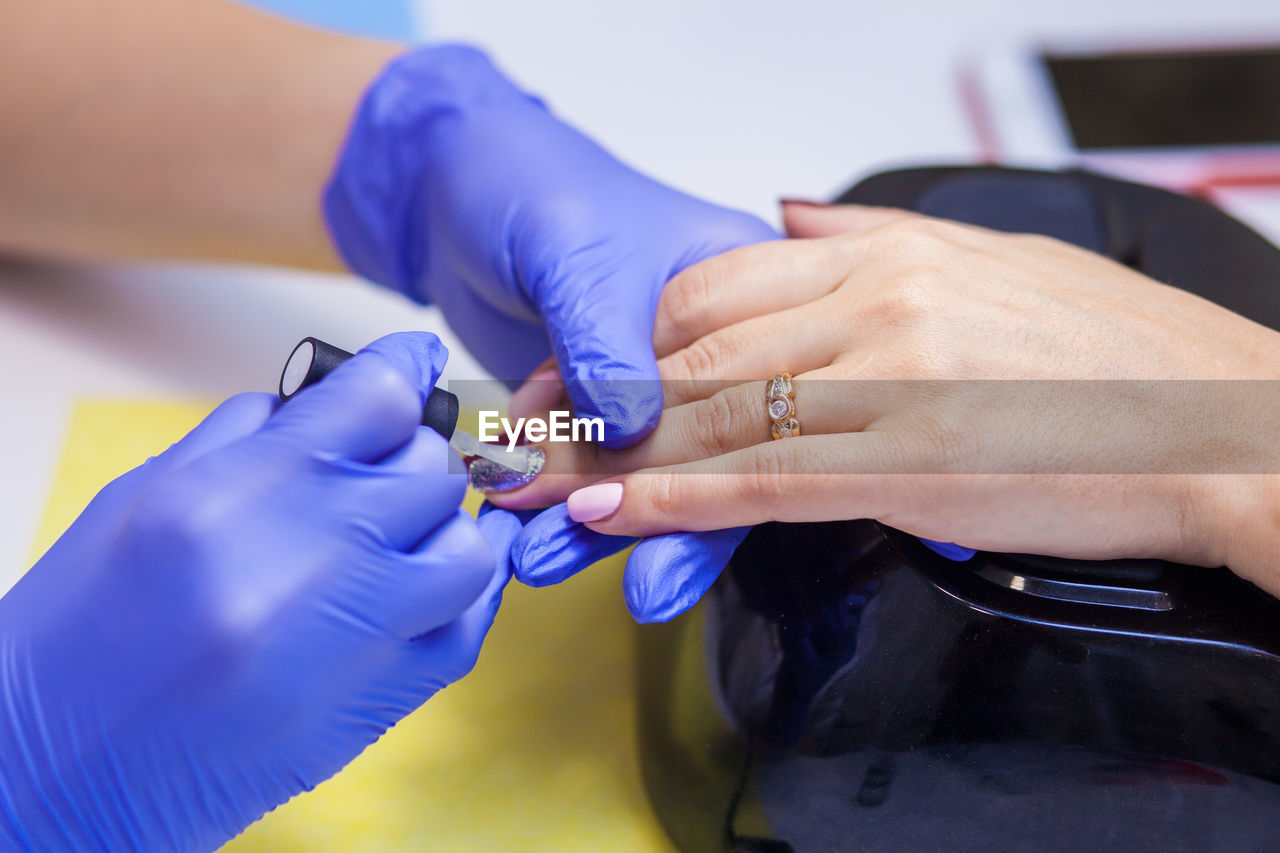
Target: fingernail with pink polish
column 595, row 502
column 539, row 393
column 802, row 202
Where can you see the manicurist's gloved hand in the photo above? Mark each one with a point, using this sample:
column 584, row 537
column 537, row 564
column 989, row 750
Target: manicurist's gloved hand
column 457, row 188
column 232, row 622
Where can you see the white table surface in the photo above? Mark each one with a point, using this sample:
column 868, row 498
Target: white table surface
column 739, row 101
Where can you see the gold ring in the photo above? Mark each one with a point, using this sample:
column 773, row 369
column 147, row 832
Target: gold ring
column 780, row 400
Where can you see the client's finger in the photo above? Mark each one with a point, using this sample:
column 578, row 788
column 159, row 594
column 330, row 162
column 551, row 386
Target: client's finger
column 732, row 419
column 798, row 340
column 810, row 478
column 804, row 219
column 745, row 283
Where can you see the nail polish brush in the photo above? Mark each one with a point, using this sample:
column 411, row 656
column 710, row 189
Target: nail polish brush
column 490, row 467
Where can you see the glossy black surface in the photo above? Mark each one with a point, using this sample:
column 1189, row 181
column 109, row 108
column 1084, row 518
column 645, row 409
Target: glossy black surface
column 845, row 688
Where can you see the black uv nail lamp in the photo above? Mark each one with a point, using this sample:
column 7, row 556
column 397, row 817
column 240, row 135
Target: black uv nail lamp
column 845, row 688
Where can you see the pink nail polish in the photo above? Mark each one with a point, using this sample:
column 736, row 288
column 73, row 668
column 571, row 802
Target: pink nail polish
column 539, row 393
column 595, row 502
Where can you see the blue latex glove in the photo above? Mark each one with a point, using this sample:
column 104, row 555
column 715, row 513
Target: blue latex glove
column 457, row 188
column 234, row 621
column 665, row 575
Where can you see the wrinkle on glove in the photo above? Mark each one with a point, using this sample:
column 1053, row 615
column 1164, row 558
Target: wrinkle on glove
column 231, row 623
column 665, row 575
column 553, row 547
column 668, row 574
column 457, row 188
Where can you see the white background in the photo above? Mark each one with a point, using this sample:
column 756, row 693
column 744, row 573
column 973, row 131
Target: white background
column 739, row 101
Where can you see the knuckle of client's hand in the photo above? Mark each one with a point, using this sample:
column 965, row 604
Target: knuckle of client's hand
column 905, row 300
column 700, row 360
column 717, row 421
column 913, row 237
column 765, row 481
column 661, row 494
column 686, row 298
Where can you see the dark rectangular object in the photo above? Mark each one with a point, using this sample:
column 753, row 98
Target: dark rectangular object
column 1170, row 99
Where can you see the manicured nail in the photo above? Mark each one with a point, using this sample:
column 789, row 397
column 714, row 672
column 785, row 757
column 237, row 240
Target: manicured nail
column 539, row 393
column 488, row 477
column 595, row 502
column 802, row 202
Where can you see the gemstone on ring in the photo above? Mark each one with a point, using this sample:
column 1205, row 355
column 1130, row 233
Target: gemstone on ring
column 780, row 403
column 786, row 429
column 780, row 386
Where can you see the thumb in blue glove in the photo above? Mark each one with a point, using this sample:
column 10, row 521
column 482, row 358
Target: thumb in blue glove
column 234, row 621
column 457, row 188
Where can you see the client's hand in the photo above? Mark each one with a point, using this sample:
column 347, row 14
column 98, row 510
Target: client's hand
column 1089, row 468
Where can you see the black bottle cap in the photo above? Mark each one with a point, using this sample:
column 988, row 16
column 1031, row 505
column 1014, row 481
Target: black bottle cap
column 313, row 359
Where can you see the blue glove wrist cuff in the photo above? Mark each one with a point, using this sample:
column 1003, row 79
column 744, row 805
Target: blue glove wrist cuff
column 950, row 550
column 370, row 203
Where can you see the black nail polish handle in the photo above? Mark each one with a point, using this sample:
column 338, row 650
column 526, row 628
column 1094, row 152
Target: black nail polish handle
column 313, row 359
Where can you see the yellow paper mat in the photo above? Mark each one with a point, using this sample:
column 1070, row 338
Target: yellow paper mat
column 535, row 750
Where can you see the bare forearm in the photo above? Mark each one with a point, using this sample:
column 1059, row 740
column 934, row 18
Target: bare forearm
column 171, row 128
